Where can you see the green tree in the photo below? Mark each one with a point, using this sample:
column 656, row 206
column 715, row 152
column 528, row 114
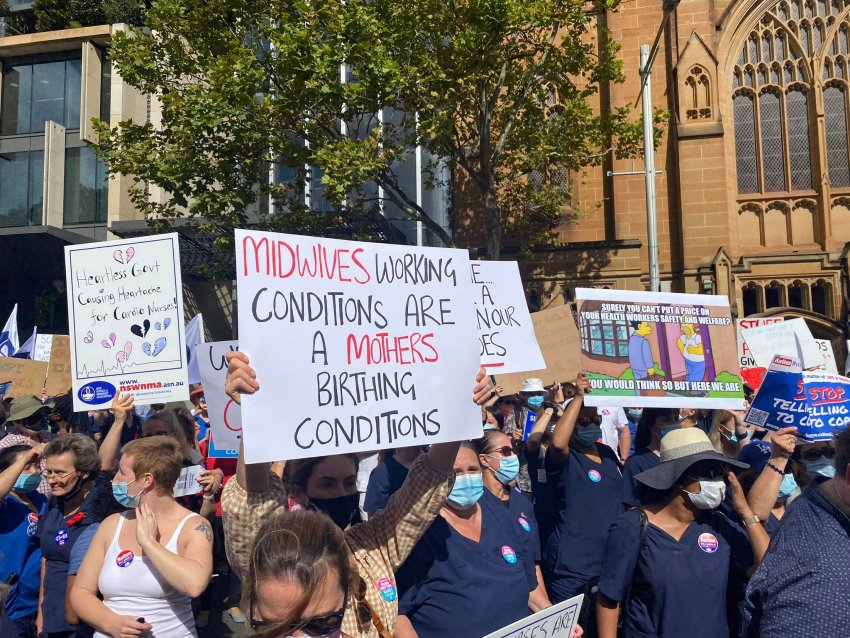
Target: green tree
column 502, row 90
column 51, row 15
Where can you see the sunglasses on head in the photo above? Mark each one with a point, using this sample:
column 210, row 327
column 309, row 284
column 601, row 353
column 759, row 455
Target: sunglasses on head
column 813, row 454
column 314, row 626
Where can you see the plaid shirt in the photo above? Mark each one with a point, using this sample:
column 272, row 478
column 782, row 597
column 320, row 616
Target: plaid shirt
column 380, row 545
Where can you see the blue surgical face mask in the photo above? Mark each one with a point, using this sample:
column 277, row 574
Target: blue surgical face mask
column 588, row 434
column 787, row 487
column 468, row 488
column 634, row 415
column 508, row 468
column 489, row 426
column 27, row 483
column 119, row 491
column 821, row 467
column 667, row 429
column 535, row 402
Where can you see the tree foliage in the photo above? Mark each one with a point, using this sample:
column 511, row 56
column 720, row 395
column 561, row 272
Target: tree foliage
column 502, row 90
column 51, row 15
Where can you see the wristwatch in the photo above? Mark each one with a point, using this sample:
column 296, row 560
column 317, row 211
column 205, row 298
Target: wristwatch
column 751, row 521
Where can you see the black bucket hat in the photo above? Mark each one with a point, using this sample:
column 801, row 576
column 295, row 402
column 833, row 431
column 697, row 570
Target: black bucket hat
column 680, row 450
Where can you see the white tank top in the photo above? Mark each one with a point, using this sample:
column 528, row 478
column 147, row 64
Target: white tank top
column 132, row 586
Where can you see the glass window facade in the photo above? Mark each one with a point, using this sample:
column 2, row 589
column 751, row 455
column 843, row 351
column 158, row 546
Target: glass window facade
column 36, row 92
column 85, row 187
column 21, row 184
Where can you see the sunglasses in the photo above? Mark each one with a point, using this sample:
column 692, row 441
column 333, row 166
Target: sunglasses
column 505, row 450
column 813, row 454
column 315, row 626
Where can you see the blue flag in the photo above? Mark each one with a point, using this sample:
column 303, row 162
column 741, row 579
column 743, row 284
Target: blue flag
column 816, row 403
column 9, row 337
column 26, row 350
column 194, row 336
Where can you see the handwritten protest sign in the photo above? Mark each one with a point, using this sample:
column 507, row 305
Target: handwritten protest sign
column 557, row 621
column 828, row 354
column 505, row 332
column 658, row 349
column 59, row 366
column 557, row 335
column 225, row 415
column 750, row 372
column 27, row 376
column 371, row 345
column 125, row 310
column 187, row 483
column 41, row 350
column 790, row 338
column 816, row 403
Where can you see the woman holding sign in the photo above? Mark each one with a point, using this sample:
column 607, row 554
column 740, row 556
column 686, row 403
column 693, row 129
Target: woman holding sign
column 669, row 562
column 377, row 547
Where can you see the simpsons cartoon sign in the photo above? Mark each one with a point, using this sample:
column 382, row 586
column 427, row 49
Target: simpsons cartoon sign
column 658, row 349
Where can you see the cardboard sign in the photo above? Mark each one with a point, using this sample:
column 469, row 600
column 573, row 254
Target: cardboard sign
column 816, row 403
column 829, row 363
column 648, row 349
column 557, row 335
column 125, row 311
column 505, row 332
column 26, row 375
column 371, row 345
column 41, row 350
column 750, row 372
column 187, row 483
column 790, row 338
column 59, row 366
column 557, row 621
column 225, row 415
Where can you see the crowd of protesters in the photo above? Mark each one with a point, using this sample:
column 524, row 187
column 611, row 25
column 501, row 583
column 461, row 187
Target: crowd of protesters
column 670, row 521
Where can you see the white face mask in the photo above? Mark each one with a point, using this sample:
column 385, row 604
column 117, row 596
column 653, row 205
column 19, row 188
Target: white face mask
column 710, row 496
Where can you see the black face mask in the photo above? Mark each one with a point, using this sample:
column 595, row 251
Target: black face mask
column 77, row 489
column 343, row 510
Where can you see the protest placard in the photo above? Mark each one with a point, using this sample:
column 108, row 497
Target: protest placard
column 557, row 621
column 652, row 349
column 369, row 345
column 26, row 375
column 59, row 366
column 187, row 483
column 125, row 311
column 505, row 332
column 41, row 350
column 750, row 372
column 816, row 403
column 828, row 354
column 557, row 335
column 789, row 338
column 225, row 414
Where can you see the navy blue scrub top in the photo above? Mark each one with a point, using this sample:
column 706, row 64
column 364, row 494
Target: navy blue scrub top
column 384, row 481
column 522, row 513
column 646, row 459
column 542, row 488
column 20, row 553
column 58, row 535
column 591, row 495
column 447, row 577
column 679, row 587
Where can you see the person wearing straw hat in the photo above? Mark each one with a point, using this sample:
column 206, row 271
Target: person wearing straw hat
column 668, row 563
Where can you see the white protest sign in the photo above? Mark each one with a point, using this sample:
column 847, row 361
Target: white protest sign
column 369, row 345
column 41, row 351
column 790, row 338
column 225, row 414
column 746, row 359
column 125, row 313
column 187, row 483
column 505, row 331
column 557, row 621
column 829, row 363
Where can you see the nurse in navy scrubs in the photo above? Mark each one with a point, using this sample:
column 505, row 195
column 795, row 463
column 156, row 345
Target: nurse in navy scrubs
column 589, row 486
column 671, row 569
column 500, row 465
column 470, row 574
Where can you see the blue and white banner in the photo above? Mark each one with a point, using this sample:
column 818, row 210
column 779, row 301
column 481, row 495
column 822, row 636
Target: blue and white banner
column 194, row 336
column 28, row 347
column 9, row 337
column 816, row 403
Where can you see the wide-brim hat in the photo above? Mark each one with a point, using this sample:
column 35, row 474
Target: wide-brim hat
column 680, row 450
column 533, row 385
column 24, row 406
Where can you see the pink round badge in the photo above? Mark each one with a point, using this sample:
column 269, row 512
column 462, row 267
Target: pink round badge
column 124, row 558
column 523, row 522
column 509, row 554
column 594, row 475
column 387, row 589
column 707, row 543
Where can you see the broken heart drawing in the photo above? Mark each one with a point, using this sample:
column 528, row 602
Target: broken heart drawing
column 141, row 330
column 124, row 257
column 158, row 346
